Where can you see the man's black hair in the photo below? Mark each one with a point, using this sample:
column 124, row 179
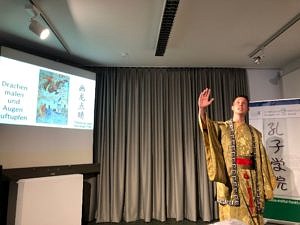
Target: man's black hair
column 242, row 96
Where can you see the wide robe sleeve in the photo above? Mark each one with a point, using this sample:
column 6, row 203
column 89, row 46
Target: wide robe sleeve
column 213, row 150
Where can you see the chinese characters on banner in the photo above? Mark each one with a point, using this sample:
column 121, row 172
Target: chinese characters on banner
column 275, row 135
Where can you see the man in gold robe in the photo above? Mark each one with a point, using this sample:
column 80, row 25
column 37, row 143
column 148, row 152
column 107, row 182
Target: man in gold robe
column 237, row 162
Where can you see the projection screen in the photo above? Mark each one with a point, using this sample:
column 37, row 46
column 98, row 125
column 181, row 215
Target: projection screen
column 46, row 112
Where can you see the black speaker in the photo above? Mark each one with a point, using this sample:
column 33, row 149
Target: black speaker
column 89, row 200
column 3, row 198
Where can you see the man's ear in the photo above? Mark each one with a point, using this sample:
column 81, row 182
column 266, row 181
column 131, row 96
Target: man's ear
column 232, row 107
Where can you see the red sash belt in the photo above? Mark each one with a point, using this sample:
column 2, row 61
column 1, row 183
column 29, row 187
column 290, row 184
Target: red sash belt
column 244, row 161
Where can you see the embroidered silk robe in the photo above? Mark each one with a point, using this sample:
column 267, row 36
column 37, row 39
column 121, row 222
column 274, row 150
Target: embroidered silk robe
column 244, row 175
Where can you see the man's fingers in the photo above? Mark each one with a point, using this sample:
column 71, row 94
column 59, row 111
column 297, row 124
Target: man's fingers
column 205, row 92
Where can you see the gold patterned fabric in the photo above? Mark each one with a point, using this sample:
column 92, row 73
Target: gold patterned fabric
column 244, row 177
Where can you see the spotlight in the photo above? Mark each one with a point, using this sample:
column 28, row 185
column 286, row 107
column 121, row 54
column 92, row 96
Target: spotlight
column 257, row 60
column 35, row 26
column 39, row 29
column 258, row 57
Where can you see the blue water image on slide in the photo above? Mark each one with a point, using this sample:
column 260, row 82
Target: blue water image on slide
column 52, row 102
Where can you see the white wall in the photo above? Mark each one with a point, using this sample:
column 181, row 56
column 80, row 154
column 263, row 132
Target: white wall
column 290, row 84
column 264, row 84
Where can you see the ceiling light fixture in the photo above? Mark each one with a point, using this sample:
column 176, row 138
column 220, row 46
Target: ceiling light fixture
column 39, row 29
column 255, row 53
column 34, row 10
column 257, row 60
column 36, row 27
column 258, row 57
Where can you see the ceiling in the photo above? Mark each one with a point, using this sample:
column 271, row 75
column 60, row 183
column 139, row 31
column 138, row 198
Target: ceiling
column 205, row 33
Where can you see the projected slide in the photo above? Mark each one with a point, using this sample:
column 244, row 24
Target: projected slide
column 37, row 96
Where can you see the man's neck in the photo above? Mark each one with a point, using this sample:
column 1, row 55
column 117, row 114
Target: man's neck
column 238, row 118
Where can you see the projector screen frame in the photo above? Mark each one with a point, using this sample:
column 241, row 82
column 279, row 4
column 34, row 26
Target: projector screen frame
column 38, row 137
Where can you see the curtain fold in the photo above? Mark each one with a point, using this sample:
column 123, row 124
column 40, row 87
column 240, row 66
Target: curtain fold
column 148, row 142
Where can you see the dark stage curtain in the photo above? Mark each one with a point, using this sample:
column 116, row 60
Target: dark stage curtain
column 148, row 141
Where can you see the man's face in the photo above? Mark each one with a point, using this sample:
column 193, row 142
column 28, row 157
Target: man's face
column 240, row 106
